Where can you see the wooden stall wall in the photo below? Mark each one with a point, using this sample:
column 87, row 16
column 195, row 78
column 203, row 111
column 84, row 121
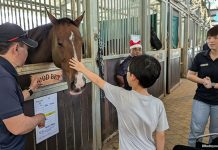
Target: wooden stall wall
column 157, row 89
column 190, row 57
column 75, row 123
column 174, row 67
column 109, row 123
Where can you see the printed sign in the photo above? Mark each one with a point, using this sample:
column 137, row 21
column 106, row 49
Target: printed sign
column 48, row 78
column 48, row 106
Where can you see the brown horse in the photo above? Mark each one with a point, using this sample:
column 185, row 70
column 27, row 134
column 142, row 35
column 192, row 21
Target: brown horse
column 58, row 42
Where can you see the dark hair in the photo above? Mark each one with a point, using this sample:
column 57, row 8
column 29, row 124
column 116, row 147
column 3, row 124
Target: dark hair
column 4, row 46
column 146, row 69
column 213, row 31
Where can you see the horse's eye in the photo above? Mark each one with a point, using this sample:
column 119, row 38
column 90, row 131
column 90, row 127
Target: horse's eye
column 60, row 44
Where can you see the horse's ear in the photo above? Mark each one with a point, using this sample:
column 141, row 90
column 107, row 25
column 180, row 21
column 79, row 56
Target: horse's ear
column 79, row 19
column 51, row 17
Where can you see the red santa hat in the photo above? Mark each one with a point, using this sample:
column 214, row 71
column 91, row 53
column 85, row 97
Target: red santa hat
column 135, row 41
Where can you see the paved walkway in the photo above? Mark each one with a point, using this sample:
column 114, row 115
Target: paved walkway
column 178, row 107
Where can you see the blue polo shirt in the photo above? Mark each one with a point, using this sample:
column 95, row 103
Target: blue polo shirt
column 205, row 66
column 11, row 99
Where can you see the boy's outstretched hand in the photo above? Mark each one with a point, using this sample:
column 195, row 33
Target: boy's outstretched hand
column 75, row 64
column 78, row 66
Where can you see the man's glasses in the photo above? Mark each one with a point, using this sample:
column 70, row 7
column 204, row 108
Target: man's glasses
column 18, row 37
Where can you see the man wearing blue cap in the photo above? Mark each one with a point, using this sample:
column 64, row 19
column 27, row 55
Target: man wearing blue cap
column 14, row 43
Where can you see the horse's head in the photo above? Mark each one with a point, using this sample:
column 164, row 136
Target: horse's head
column 67, row 43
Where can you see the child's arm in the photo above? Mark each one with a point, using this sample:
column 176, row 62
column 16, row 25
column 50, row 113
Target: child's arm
column 160, row 140
column 78, row 66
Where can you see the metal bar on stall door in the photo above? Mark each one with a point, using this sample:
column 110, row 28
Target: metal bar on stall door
column 44, row 11
column 40, row 11
column 31, row 10
column 50, row 10
column 87, row 54
column 7, row 12
column 139, row 20
column 132, row 9
column 107, row 26
column 102, row 25
column 100, row 40
column 65, row 8
column 115, row 28
column 23, row 16
column 1, row 21
column 127, row 24
column 74, row 10
column 118, row 35
column 71, row 9
column 36, row 13
column 120, row 26
column 134, row 19
column 110, row 29
column 60, row 9
column 27, row 14
column 4, row 11
column 109, row 22
column 15, row 11
column 55, row 10
column 131, row 17
column 11, row 11
column 19, row 12
column 114, row 24
column 123, row 18
column 78, row 8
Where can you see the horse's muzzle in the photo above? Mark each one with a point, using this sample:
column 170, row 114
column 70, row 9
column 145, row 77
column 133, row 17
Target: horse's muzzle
column 78, row 85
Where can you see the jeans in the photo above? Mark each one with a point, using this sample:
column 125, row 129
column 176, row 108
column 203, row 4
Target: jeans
column 200, row 114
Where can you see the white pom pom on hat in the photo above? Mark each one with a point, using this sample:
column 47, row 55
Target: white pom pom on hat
column 135, row 41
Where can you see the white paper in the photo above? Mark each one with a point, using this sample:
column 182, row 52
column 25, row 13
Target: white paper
column 48, row 106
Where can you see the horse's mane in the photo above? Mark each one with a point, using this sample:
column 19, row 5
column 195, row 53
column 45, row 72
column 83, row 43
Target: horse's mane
column 39, row 33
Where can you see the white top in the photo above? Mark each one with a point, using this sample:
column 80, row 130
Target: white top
column 139, row 117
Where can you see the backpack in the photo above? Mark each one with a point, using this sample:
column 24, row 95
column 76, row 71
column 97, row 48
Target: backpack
column 154, row 40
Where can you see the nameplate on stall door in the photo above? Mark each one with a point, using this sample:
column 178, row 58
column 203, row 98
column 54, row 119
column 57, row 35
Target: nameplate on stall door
column 49, row 78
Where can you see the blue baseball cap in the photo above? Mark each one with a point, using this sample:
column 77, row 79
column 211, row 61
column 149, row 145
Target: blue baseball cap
column 10, row 32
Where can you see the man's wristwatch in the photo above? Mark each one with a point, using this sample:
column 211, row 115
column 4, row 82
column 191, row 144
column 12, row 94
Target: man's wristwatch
column 213, row 85
column 30, row 91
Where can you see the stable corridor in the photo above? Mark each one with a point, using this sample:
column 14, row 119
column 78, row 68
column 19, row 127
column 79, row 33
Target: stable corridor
column 178, row 107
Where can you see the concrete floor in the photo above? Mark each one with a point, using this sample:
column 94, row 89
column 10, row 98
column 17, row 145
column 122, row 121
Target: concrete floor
column 178, row 107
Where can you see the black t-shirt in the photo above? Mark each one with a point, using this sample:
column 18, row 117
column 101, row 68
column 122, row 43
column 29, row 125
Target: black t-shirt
column 122, row 71
column 11, row 99
column 205, row 66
